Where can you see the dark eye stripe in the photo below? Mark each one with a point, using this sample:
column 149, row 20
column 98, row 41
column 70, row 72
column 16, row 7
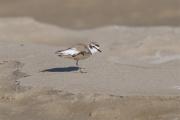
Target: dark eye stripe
column 90, row 46
column 97, row 45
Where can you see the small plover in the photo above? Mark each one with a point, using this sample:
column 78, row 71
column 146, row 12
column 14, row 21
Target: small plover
column 79, row 52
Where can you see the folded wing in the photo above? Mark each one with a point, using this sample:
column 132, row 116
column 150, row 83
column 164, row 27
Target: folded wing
column 68, row 52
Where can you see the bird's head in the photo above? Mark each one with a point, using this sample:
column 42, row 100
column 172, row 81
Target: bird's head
column 94, row 47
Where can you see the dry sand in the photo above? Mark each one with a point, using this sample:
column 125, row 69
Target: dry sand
column 135, row 77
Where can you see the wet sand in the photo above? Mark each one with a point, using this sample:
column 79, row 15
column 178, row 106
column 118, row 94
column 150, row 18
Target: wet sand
column 18, row 102
column 135, row 77
column 82, row 14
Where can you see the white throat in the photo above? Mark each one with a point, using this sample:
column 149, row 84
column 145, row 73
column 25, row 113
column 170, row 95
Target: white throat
column 93, row 50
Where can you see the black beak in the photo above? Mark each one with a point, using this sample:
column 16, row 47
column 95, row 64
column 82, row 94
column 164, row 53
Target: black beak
column 99, row 50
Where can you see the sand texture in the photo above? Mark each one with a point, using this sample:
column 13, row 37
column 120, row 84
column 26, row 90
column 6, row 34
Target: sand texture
column 18, row 102
column 84, row 14
column 135, row 77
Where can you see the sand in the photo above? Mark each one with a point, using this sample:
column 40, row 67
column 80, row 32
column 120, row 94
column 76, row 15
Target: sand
column 135, row 77
column 82, row 14
column 134, row 61
column 18, row 102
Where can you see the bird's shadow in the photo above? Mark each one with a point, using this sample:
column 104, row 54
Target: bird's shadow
column 61, row 69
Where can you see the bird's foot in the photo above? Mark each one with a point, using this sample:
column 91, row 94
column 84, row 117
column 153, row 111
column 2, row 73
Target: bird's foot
column 81, row 70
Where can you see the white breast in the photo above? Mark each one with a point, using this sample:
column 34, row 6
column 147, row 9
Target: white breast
column 93, row 50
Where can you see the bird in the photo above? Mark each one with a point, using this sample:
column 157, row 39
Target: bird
column 79, row 52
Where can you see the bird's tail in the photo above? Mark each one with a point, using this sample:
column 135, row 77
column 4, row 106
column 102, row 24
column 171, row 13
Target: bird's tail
column 59, row 53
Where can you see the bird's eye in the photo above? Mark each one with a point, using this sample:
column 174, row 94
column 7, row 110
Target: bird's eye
column 90, row 46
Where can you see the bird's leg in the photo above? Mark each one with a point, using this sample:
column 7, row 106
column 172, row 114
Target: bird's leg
column 80, row 69
column 77, row 63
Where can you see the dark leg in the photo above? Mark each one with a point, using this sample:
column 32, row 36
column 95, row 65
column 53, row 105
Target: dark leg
column 77, row 62
column 80, row 69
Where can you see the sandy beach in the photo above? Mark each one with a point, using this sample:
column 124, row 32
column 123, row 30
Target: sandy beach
column 135, row 77
column 19, row 102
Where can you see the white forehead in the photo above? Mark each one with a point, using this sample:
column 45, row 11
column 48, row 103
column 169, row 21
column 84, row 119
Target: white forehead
column 94, row 44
